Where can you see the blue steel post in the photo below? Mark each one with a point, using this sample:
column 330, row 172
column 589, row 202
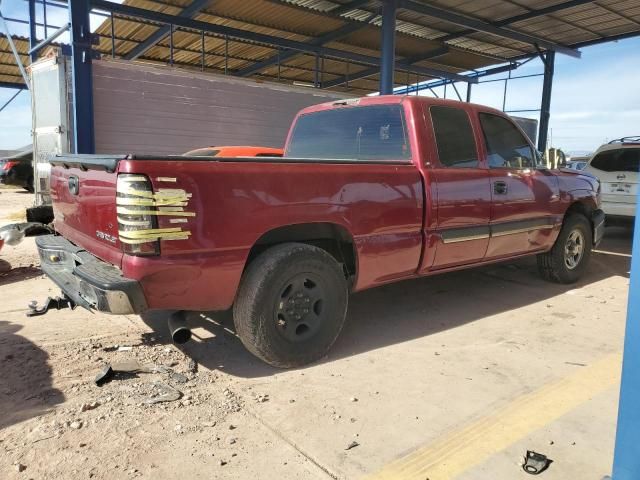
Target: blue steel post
column 82, row 78
column 626, row 462
column 388, row 46
column 33, row 39
column 545, row 108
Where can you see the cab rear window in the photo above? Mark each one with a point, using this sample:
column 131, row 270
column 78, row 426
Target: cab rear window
column 621, row 160
column 375, row 132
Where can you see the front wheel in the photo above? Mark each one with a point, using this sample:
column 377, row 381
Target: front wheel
column 291, row 304
column 567, row 261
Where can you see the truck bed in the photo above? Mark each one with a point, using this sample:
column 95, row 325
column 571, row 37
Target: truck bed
column 234, row 202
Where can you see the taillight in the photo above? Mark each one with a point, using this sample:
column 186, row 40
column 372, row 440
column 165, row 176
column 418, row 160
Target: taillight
column 6, row 166
column 138, row 232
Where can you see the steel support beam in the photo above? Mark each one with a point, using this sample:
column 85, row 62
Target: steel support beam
column 14, row 50
column 545, row 106
column 189, row 12
column 374, row 71
column 13, row 97
column 471, row 78
column 19, row 86
column 248, row 36
column 523, row 16
column 483, row 26
column 33, row 51
column 346, row 8
column 82, row 78
column 626, row 461
column 388, row 46
column 337, row 34
column 33, row 39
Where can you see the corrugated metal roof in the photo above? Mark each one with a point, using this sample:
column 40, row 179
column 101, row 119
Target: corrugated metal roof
column 9, row 71
column 308, row 20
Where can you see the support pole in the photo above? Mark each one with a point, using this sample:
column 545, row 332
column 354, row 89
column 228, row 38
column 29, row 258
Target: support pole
column 626, row 462
column 388, row 46
column 545, row 106
column 202, row 53
column 33, row 39
column 468, row 92
column 113, row 36
column 82, row 77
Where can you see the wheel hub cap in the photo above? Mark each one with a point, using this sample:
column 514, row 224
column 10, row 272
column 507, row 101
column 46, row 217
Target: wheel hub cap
column 574, row 249
column 300, row 307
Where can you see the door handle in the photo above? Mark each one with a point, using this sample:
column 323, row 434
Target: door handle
column 500, row 188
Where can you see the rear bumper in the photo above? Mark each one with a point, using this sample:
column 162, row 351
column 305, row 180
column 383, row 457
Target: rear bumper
column 87, row 280
column 619, row 209
column 598, row 219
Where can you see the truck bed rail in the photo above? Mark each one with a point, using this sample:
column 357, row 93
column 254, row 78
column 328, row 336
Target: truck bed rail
column 109, row 163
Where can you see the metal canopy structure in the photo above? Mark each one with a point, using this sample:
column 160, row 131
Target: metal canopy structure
column 285, row 40
column 355, row 46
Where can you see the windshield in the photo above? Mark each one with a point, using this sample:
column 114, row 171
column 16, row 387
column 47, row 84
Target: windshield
column 374, row 132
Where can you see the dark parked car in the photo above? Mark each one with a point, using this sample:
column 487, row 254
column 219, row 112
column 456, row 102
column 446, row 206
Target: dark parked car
column 18, row 170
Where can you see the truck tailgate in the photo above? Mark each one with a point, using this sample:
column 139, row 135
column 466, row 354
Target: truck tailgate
column 84, row 205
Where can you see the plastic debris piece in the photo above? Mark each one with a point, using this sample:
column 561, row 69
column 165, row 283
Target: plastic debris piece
column 166, row 393
column 105, row 375
column 535, row 463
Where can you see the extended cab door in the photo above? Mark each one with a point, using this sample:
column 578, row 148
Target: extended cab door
column 524, row 198
column 460, row 186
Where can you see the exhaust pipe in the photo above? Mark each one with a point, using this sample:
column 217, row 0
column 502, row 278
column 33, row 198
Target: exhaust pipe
column 180, row 332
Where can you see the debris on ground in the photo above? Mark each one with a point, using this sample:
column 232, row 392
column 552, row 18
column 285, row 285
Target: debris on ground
column 163, row 392
column 535, row 463
column 76, row 425
column 89, row 406
column 353, row 444
column 105, row 375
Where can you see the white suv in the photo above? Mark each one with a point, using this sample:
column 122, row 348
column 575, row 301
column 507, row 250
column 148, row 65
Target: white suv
column 617, row 164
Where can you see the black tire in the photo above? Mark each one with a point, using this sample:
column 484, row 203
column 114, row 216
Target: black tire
column 291, row 304
column 563, row 264
column 29, row 186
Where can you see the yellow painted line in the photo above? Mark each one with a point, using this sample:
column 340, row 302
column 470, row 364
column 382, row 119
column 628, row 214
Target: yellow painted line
column 605, row 252
column 458, row 451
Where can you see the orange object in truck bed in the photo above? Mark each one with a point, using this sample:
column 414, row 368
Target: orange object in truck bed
column 235, row 151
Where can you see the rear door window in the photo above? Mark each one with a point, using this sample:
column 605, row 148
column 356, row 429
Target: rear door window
column 506, row 146
column 375, row 132
column 622, row 160
column 454, row 137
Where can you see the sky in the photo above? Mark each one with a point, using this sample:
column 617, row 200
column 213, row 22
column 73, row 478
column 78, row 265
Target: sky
column 594, row 99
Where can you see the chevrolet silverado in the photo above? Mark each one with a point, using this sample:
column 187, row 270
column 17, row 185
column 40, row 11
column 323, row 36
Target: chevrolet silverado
column 369, row 191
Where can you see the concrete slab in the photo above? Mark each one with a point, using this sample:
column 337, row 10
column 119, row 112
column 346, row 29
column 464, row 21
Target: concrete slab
column 424, row 377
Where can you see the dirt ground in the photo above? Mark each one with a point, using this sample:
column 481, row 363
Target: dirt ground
column 453, row 376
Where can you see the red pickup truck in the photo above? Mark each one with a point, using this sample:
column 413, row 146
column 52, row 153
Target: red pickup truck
column 369, row 191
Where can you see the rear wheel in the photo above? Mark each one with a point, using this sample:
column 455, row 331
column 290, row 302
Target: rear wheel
column 567, row 261
column 291, row 304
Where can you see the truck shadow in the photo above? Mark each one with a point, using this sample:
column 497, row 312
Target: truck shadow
column 407, row 310
column 26, row 387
